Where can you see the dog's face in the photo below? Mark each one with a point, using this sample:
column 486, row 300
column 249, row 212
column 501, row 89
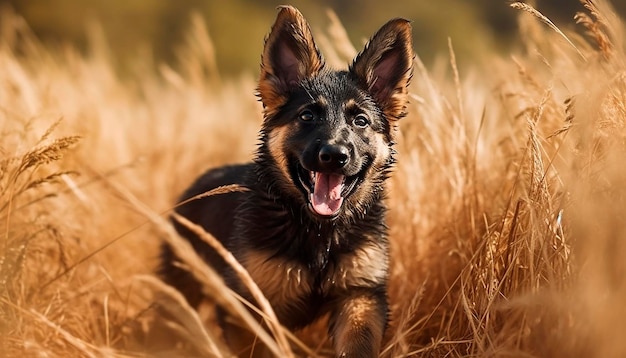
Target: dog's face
column 329, row 133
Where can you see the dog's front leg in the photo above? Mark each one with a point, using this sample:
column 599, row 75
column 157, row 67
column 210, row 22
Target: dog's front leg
column 358, row 322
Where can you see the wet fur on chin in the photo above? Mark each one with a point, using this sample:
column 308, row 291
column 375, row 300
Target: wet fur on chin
column 307, row 264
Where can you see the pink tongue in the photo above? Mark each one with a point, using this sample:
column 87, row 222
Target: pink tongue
column 326, row 198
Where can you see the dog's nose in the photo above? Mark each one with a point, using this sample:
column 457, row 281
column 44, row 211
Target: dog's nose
column 333, row 157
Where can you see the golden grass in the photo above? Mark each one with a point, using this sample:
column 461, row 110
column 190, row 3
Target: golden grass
column 507, row 226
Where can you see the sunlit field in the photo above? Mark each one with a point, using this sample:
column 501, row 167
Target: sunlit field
column 507, row 203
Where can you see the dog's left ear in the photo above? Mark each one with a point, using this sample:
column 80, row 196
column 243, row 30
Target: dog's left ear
column 290, row 55
column 385, row 67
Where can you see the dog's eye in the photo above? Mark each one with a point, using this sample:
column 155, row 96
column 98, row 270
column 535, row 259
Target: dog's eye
column 307, row 116
column 361, row 121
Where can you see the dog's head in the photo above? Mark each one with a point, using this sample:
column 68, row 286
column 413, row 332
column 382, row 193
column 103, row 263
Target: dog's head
column 329, row 134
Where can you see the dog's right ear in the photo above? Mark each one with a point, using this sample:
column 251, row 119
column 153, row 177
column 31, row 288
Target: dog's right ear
column 290, row 55
column 385, row 67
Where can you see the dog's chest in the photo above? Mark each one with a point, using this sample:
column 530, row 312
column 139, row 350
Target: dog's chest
column 290, row 285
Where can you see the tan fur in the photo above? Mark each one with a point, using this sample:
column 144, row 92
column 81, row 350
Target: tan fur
column 355, row 318
column 382, row 155
column 383, row 151
column 275, row 140
column 362, row 268
column 351, row 104
column 283, row 282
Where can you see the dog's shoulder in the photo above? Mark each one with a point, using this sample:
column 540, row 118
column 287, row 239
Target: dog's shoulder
column 225, row 175
column 215, row 211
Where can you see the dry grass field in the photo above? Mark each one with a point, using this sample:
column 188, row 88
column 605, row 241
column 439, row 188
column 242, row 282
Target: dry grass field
column 507, row 205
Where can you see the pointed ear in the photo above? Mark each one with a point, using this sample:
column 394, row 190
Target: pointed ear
column 290, row 55
column 385, row 67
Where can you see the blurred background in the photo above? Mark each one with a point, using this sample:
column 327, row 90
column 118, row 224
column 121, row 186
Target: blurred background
column 237, row 28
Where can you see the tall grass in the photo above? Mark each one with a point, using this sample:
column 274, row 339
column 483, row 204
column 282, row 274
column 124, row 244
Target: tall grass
column 506, row 206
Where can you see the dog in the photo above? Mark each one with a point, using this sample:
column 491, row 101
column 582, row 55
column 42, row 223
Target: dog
column 311, row 229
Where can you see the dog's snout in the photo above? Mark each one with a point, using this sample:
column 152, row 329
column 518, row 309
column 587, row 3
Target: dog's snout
column 333, row 156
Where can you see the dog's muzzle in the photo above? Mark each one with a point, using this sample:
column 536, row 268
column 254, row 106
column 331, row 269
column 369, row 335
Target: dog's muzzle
column 326, row 192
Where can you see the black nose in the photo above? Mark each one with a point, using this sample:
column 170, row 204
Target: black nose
column 332, row 157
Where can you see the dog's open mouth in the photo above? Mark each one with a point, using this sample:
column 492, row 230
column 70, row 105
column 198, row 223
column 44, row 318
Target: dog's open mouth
column 326, row 191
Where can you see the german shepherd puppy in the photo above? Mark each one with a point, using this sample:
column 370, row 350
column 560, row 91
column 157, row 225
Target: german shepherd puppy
column 311, row 228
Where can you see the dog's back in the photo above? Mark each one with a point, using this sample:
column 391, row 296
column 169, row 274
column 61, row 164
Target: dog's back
column 215, row 214
column 310, row 229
